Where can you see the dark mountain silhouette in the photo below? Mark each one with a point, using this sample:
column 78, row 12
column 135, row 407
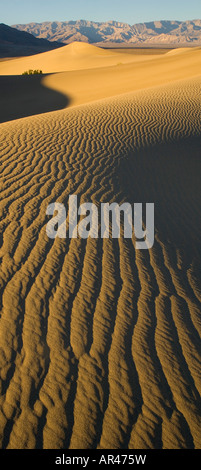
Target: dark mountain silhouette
column 14, row 43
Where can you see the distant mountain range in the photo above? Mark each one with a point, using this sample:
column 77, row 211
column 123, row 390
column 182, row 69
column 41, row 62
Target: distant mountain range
column 14, row 43
column 113, row 32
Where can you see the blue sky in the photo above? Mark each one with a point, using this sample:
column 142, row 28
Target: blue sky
column 129, row 11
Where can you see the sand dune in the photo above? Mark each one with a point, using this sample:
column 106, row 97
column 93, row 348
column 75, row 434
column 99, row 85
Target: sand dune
column 100, row 344
column 84, row 86
column 75, row 56
column 22, row 96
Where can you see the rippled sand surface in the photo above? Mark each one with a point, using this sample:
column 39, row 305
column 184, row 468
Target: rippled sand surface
column 100, row 343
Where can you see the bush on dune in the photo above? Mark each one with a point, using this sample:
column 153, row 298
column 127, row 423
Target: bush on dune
column 32, row 72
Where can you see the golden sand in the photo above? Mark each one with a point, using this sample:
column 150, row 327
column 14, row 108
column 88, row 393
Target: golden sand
column 24, row 95
column 100, row 344
column 75, row 56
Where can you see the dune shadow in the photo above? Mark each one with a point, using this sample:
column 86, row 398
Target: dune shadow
column 169, row 176
column 25, row 95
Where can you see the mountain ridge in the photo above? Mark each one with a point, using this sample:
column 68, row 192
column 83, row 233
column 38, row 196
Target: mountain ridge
column 150, row 33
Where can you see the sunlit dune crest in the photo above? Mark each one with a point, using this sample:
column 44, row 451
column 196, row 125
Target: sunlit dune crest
column 75, row 56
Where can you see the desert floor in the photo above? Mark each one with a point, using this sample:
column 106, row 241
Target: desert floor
column 100, row 343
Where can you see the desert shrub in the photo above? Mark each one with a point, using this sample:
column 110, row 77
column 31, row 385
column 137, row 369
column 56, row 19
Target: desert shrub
column 32, row 72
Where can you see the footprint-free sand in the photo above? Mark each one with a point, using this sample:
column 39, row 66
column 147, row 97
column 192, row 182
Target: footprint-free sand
column 100, row 343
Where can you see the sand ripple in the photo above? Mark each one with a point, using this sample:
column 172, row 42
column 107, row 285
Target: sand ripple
column 100, row 344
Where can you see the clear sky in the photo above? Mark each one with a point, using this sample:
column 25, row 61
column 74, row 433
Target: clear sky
column 128, row 11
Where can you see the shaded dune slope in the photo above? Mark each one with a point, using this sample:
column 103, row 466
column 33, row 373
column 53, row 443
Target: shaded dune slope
column 100, row 343
column 21, row 97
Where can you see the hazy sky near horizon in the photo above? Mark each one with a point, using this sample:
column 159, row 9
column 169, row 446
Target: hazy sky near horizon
column 128, row 11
